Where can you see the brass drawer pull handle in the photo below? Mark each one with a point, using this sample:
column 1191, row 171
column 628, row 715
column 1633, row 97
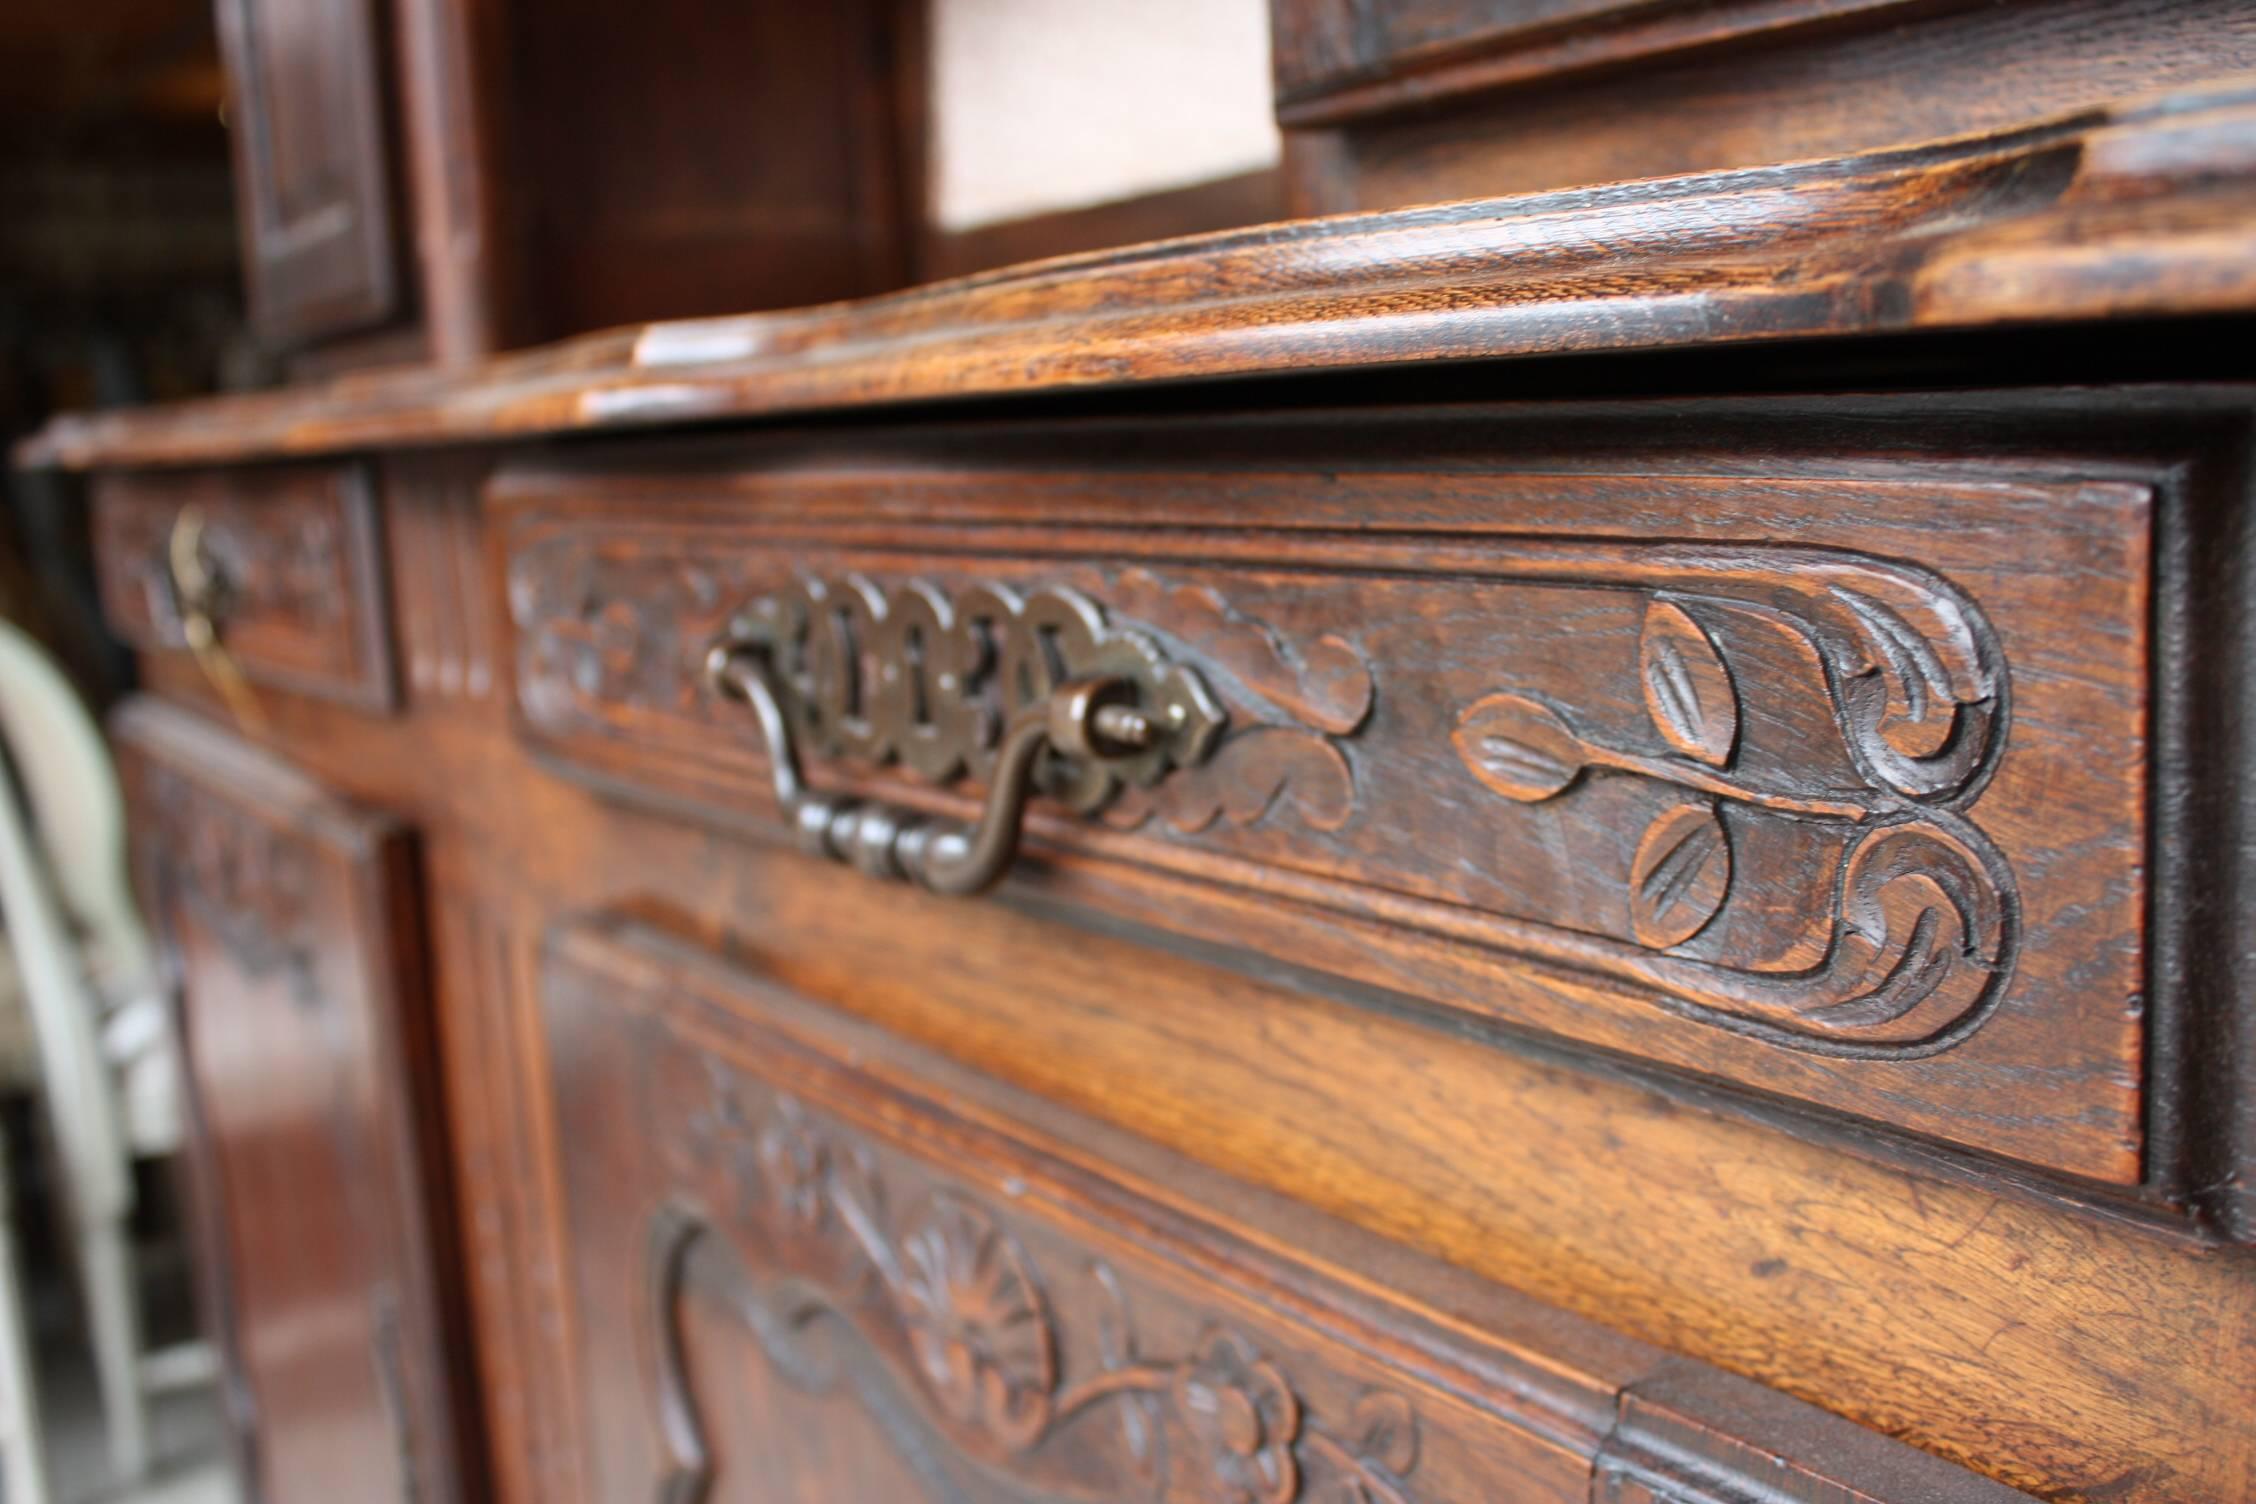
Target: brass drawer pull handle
column 1114, row 710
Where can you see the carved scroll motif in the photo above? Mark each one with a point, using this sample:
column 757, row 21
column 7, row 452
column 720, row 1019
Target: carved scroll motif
column 923, row 1304
column 1291, row 761
column 1923, row 907
column 1816, row 727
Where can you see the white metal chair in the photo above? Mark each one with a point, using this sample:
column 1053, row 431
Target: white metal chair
column 23, row 1459
column 108, row 1069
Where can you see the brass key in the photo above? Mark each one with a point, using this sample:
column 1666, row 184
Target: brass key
column 199, row 595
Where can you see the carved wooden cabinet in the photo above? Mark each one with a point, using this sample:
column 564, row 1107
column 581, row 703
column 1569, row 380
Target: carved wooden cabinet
column 291, row 920
column 1591, row 846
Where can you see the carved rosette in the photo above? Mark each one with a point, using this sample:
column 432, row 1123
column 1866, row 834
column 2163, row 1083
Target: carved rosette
column 954, row 1301
column 976, row 1321
column 1922, row 908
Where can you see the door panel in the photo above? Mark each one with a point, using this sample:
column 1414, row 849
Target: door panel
column 311, row 165
column 289, row 918
column 816, row 1263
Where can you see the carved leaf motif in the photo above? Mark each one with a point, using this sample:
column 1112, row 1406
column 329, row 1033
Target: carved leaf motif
column 1518, row 747
column 1679, row 876
column 1688, row 690
column 1261, row 770
column 1386, row 1431
column 977, row 1321
column 1328, row 686
column 1219, row 1423
column 1338, row 684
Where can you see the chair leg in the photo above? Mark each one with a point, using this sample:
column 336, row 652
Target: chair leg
column 25, row 1459
column 108, row 1263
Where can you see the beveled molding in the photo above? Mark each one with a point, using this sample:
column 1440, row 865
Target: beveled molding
column 2142, row 210
column 1019, row 1325
column 1781, row 811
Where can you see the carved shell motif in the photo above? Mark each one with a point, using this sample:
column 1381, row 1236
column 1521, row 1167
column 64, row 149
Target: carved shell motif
column 977, row 1321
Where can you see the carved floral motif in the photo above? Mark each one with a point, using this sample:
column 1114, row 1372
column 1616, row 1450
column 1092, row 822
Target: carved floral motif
column 596, row 630
column 976, row 1320
column 1245, row 1420
column 925, row 677
column 248, row 883
column 1326, row 685
column 1807, row 713
column 1924, row 911
column 1003, row 1377
column 1324, row 690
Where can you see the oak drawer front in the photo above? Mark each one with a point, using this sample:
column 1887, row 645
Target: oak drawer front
column 295, row 557
column 810, row 1261
column 1829, row 784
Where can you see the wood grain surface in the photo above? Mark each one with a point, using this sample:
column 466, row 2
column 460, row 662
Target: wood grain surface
column 1517, row 725
column 1448, row 99
column 2140, row 211
column 318, row 1153
column 297, row 563
column 1895, row 1289
column 807, row 1256
column 1709, row 880
column 2076, row 1343
column 1339, row 60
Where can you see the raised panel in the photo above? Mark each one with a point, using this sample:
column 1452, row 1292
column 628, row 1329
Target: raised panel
column 812, row 1262
column 312, row 165
column 1829, row 782
column 308, row 1078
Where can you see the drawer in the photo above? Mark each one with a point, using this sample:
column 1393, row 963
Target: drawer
column 809, row 1260
column 1823, row 776
column 295, row 562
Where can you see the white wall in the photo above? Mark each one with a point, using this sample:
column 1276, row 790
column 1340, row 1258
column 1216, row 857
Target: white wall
column 1041, row 105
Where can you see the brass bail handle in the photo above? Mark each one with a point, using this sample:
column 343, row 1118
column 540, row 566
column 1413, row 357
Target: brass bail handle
column 1088, row 718
column 199, row 595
